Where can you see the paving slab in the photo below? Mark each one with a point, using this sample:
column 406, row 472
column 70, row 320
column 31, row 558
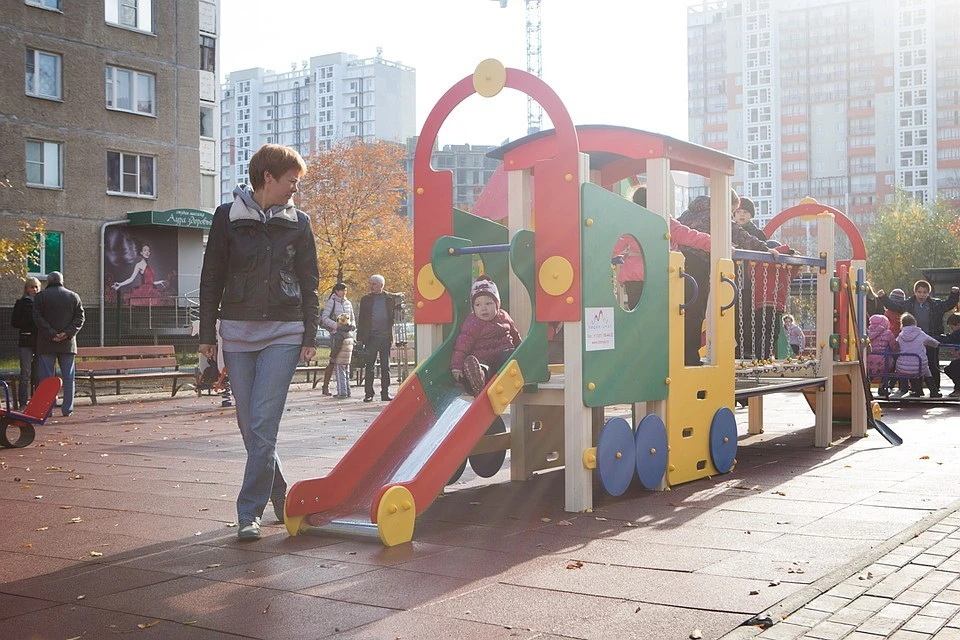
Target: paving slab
column 154, row 480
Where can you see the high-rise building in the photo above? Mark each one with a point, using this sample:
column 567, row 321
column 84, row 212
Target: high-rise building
column 107, row 116
column 328, row 98
column 472, row 168
column 842, row 100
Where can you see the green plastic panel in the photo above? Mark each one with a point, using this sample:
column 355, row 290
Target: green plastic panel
column 454, row 271
column 480, row 231
column 631, row 364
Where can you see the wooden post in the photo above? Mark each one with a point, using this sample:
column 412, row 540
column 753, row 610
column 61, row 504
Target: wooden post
column 823, row 430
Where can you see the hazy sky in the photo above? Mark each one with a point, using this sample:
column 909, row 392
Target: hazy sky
column 611, row 61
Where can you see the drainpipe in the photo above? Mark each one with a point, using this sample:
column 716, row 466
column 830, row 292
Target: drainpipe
column 103, row 273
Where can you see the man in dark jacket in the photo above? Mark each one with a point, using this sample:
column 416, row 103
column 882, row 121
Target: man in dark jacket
column 375, row 334
column 58, row 313
column 929, row 313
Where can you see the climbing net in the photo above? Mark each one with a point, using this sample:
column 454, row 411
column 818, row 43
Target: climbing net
column 768, row 291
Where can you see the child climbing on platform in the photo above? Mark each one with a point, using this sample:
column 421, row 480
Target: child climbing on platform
column 882, row 342
column 487, row 338
column 912, row 362
column 341, row 351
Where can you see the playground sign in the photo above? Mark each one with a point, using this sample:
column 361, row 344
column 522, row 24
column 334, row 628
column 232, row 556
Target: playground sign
column 599, row 334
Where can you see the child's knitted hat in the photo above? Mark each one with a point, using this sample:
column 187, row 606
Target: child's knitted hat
column 343, row 318
column 484, row 286
column 898, row 295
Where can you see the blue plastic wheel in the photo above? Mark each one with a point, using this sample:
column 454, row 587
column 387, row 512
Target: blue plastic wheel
column 616, row 456
column 651, row 440
column 723, row 440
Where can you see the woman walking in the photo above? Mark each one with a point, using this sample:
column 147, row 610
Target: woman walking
column 260, row 279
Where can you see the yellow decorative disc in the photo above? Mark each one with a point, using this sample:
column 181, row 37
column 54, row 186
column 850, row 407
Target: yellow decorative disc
column 428, row 285
column 556, row 275
column 489, row 77
column 396, row 516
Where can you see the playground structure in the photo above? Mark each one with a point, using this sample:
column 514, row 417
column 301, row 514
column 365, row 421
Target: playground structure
column 554, row 270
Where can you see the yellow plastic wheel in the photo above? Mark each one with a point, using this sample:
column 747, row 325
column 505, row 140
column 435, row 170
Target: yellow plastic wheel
column 396, row 516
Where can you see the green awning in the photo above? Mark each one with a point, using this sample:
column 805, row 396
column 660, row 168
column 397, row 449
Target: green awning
column 183, row 218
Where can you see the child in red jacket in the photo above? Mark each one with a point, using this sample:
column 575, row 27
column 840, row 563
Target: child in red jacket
column 487, row 338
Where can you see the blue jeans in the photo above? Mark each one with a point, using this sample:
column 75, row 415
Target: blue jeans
column 48, row 362
column 343, row 380
column 259, row 381
column 374, row 346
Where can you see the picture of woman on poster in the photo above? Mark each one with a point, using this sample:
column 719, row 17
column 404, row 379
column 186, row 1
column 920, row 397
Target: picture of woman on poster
column 146, row 289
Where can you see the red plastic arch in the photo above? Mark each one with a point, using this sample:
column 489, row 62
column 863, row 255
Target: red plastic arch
column 814, row 209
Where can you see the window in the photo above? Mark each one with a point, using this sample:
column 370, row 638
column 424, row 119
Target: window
column 49, row 257
column 42, row 76
column 44, row 164
column 208, row 53
column 45, row 4
column 206, row 122
column 130, row 174
column 131, row 91
column 133, row 14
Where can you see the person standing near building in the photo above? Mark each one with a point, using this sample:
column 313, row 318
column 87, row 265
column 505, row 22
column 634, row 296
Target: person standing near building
column 375, row 334
column 58, row 314
column 22, row 319
column 336, row 304
column 260, row 278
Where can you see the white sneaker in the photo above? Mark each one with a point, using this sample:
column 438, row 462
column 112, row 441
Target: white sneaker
column 899, row 393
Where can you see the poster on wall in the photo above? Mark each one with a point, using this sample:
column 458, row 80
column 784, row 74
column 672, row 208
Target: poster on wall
column 140, row 266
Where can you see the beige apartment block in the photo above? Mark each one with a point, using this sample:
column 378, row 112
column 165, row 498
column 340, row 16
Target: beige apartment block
column 109, row 108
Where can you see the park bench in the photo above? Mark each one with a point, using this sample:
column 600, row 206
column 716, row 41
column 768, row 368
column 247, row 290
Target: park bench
column 127, row 364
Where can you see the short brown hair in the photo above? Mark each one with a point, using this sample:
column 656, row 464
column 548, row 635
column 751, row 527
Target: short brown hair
column 907, row 320
column 922, row 284
column 953, row 320
column 276, row 159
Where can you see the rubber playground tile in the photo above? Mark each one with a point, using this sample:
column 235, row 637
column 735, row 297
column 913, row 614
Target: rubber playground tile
column 466, row 563
column 16, row 566
column 72, row 586
column 525, row 608
column 647, row 555
column 701, row 537
column 463, row 535
column 370, row 553
column 192, row 559
column 803, row 548
column 76, row 544
column 769, row 568
column 286, row 572
column 733, row 518
column 686, row 590
column 12, row 605
column 837, row 526
column 643, row 621
column 392, row 588
column 76, row 620
column 893, row 498
column 785, row 505
column 268, row 614
column 416, row 625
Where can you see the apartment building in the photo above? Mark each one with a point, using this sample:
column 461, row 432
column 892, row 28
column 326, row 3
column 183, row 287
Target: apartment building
column 325, row 99
column 469, row 163
column 841, row 100
column 108, row 121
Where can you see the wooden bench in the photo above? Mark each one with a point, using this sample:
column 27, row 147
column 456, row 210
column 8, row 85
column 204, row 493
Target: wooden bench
column 128, row 363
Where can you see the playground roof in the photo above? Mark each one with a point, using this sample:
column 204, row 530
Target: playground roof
column 619, row 152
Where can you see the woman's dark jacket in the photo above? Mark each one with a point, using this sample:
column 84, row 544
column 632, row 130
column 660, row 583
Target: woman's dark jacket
column 258, row 271
column 22, row 319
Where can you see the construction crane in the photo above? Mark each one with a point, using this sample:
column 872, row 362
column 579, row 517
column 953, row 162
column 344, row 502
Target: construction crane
column 534, row 111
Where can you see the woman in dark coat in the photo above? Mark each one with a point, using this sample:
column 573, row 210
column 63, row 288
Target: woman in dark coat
column 22, row 319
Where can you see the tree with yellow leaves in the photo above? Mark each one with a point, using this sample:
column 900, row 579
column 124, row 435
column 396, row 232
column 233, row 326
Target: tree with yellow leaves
column 15, row 251
column 353, row 193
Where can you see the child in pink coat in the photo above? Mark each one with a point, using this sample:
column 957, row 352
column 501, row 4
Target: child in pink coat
column 882, row 341
column 487, row 338
column 913, row 362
